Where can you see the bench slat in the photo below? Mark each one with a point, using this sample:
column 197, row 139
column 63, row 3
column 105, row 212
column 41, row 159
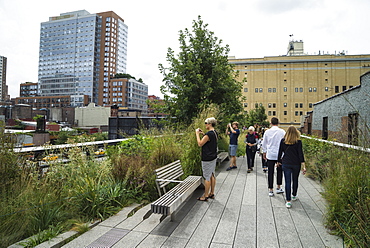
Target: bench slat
column 169, row 202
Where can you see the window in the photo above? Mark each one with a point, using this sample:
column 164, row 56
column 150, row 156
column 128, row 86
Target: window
column 336, row 89
column 285, row 89
column 269, row 90
column 296, row 89
column 300, row 89
column 274, row 105
column 326, row 71
column 285, row 105
column 260, row 90
column 309, row 89
column 269, row 105
column 245, row 104
column 314, row 89
column 245, row 74
column 326, row 88
column 245, row 89
column 256, row 90
column 296, row 113
column 301, row 105
column 274, row 113
column 300, row 113
column 310, row 105
column 273, row 89
column 269, row 113
column 350, row 86
column 296, row 105
column 344, row 88
column 285, row 112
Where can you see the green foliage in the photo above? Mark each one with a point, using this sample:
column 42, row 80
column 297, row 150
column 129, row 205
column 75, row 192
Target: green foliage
column 200, row 75
column 123, row 75
column 19, row 125
column 137, row 145
column 344, row 174
column 257, row 115
column 42, row 236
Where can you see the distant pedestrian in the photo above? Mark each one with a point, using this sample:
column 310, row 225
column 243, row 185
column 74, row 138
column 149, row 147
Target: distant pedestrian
column 233, row 146
column 251, row 140
column 291, row 157
column 209, row 157
column 263, row 161
column 270, row 146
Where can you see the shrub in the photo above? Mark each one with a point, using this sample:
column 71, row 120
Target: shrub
column 344, row 174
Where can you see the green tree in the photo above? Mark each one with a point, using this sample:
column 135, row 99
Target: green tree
column 257, row 115
column 123, row 75
column 199, row 75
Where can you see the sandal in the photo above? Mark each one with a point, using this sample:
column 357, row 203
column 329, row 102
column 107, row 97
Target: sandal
column 212, row 196
column 204, row 198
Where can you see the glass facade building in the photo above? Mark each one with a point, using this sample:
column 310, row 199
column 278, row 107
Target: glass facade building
column 72, row 55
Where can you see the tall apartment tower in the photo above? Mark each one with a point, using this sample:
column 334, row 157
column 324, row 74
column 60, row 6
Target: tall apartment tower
column 3, row 86
column 79, row 52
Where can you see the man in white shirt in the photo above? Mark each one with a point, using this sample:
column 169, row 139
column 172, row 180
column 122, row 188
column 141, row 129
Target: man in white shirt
column 270, row 146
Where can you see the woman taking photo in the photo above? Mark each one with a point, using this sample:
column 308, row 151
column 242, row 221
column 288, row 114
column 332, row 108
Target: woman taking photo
column 209, row 157
column 291, row 157
column 251, row 147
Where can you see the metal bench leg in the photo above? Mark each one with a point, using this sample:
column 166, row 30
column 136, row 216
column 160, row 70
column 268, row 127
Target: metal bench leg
column 162, row 218
column 146, row 216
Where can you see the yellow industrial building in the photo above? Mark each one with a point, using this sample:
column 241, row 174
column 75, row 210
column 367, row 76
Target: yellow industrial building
column 288, row 86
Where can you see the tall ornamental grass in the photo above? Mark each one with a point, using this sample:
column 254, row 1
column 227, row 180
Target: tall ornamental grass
column 345, row 176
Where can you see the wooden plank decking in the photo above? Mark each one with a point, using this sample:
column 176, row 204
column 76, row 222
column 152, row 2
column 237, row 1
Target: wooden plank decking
column 242, row 215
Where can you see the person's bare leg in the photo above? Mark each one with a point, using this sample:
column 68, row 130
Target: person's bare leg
column 207, row 185
column 213, row 184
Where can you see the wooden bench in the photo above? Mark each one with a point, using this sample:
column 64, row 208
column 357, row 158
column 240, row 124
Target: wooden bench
column 222, row 156
column 170, row 201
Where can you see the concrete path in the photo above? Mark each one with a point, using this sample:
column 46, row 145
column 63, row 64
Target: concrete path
column 241, row 215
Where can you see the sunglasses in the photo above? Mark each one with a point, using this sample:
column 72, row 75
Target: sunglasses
column 205, row 123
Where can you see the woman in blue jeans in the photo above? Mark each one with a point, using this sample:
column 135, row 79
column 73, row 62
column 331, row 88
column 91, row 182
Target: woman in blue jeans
column 292, row 159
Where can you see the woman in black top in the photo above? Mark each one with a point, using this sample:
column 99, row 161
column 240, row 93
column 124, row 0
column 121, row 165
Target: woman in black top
column 291, row 157
column 209, row 157
column 251, row 147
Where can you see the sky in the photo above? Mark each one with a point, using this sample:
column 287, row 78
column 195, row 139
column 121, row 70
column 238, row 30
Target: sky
column 252, row 29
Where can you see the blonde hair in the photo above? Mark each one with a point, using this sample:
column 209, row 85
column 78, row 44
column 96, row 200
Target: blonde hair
column 235, row 123
column 292, row 136
column 211, row 121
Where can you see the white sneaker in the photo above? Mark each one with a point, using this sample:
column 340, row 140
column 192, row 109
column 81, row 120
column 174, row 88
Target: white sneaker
column 288, row 204
column 294, row 198
column 271, row 193
column 279, row 191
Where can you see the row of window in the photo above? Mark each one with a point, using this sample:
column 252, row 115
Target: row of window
column 285, row 89
column 273, row 113
column 273, row 105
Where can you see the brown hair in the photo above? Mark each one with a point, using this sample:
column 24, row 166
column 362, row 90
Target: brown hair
column 274, row 121
column 292, row 135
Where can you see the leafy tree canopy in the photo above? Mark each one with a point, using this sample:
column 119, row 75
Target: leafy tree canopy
column 200, row 75
column 257, row 116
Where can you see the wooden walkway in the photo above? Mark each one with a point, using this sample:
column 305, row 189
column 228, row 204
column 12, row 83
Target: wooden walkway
column 241, row 215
